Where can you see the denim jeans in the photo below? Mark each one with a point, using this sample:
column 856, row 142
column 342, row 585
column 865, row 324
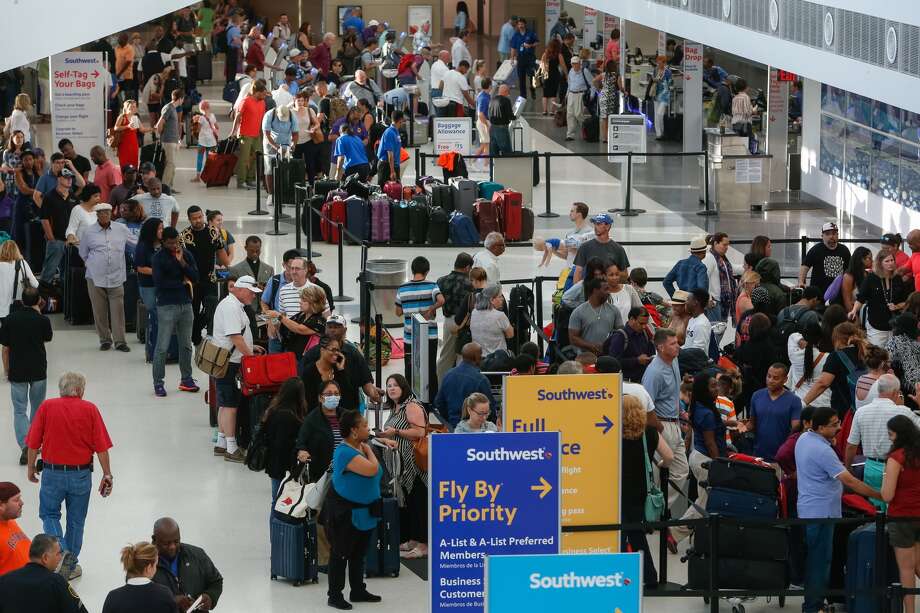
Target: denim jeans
column 148, row 296
column 819, row 539
column 274, row 345
column 25, row 394
column 54, row 259
column 714, row 313
column 73, row 489
column 501, row 140
column 172, row 318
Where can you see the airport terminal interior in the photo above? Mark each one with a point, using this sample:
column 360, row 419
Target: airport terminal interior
column 834, row 137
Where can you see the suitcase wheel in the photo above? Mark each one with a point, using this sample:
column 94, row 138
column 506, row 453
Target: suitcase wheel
column 738, row 609
column 298, row 584
column 274, row 577
column 395, row 574
column 316, row 580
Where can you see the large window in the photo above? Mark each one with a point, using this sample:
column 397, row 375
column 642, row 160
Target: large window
column 871, row 144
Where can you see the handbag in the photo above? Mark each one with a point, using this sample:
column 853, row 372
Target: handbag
column 420, row 446
column 211, row 359
column 538, row 77
column 654, row 499
column 317, row 135
column 265, row 373
column 315, row 493
column 291, row 501
column 257, row 454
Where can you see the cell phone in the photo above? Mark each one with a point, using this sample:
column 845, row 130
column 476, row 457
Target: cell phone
column 39, row 465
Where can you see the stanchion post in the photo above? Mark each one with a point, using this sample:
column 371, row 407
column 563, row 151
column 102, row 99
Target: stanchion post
column 378, row 353
column 341, row 297
column 629, row 211
column 276, row 230
column 707, row 211
column 538, row 295
column 259, row 210
column 298, row 214
column 804, row 241
column 548, row 213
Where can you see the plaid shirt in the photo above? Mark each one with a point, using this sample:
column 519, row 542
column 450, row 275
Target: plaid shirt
column 456, row 287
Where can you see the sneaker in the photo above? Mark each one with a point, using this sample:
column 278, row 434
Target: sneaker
column 364, row 597
column 105, row 345
column 339, row 603
column 123, row 347
column 68, row 565
column 75, row 573
column 159, row 390
column 220, row 451
column 269, row 201
column 238, row 456
column 24, row 456
column 188, row 385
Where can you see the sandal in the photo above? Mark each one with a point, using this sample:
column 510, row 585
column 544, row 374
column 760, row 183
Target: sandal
column 415, row 554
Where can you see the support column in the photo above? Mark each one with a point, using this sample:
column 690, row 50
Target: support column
column 777, row 127
column 693, row 96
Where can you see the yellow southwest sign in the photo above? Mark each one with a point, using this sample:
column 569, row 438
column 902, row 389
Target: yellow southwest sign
column 586, row 410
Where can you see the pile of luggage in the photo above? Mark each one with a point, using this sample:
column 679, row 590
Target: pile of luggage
column 460, row 212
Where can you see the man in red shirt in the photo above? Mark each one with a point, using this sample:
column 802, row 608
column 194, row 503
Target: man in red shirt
column 14, row 544
column 68, row 431
column 247, row 124
column 108, row 175
column 321, row 57
column 912, row 266
column 255, row 56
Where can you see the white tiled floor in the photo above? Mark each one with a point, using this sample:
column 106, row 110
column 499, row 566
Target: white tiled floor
column 162, row 458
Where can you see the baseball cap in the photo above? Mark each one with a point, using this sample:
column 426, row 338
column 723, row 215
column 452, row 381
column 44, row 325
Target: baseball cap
column 65, row 172
column 602, row 217
column 576, row 59
column 373, row 23
column 147, row 167
column 337, row 319
column 294, row 52
column 247, row 282
column 890, row 239
column 102, row 206
column 829, row 227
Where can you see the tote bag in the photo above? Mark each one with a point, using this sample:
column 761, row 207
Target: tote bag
column 654, row 500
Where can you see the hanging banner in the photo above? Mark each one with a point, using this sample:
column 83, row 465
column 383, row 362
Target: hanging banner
column 589, row 29
column 693, row 96
column 553, row 8
column 611, row 22
column 586, row 410
column 548, row 583
column 489, row 494
column 79, row 81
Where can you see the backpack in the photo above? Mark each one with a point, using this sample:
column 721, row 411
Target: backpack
column 276, row 285
column 337, row 109
column 522, row 297
column 788, row 326
column 853, row 374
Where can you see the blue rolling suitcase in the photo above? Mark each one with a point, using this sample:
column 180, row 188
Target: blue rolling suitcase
column 358, row 219
column 860, row 571
column 383, row 548
column 293, row 551
column 735, row 503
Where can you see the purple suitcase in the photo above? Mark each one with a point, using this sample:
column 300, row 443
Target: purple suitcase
column 380, row 219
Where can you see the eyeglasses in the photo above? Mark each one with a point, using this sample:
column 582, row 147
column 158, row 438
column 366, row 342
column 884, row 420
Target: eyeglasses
column 480, row 413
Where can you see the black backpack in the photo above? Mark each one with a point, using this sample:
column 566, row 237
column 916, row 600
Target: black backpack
column 789, row 326
column 522, row 298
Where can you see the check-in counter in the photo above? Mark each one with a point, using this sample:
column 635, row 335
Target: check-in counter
column 737, row 179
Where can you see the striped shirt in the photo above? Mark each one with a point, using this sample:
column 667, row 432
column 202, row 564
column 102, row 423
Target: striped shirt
column 289, row 298
column 870, row 426
column 727, row 409
column 414, row 297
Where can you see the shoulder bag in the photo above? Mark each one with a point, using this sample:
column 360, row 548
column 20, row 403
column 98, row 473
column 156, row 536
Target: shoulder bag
column 818, row 359
column 290, row 500
column 19, row 282
column 654, row 499
column 420, row 446
column 212, row 359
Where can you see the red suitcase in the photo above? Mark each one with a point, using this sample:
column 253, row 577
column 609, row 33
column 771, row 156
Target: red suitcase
column 510, row 203
column 260, row 374
column 487, row 216
column 218, row 169
column 394, row 190
column 333, row 213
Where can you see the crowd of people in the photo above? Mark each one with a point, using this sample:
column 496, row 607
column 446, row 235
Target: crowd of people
column 819, row 379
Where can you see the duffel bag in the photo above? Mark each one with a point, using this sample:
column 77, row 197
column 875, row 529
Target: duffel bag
column 265, row 373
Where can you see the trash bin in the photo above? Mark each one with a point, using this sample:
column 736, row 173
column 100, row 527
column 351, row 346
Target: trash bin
column 387, row 273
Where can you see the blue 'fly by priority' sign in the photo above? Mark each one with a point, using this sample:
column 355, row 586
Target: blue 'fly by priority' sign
column 490, row 494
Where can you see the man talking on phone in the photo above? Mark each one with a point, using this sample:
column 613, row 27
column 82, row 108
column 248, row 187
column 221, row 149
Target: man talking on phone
column 69, row 431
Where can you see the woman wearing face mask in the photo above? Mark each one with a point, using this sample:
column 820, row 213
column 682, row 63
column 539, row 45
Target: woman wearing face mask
column 282, row 420
column 406, row 425
column 329, row 367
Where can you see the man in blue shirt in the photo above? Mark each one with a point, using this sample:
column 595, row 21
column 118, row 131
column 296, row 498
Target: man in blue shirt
column 389, row 150
column 354, row 21
column 821, row 476
column 419, row 295
column 713, row 75
column 690, row 273
column 175, row 272
column 234, row 47
column 523, row 44
column 279, row 129
column 461, row 381
column 504, row 39
column 775, row 413
column 350, row 155
column 662, row 381
column 483, row 129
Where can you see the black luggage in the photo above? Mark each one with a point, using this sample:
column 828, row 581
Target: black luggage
column 78, row 311
column 358, row 219
column 738, row 574
column 308, row 218
column 132, row 296
column 752, row 542
column 673, row 128
column 383, row 549
column 321, row 187
column 140, row 321
column 418, row 223
column 442, row 196
column 743, row 476
column 438, row 226
column 154, row 153
column 399, row 222
column 734, row 503
column 204, row 66
column 293, row 551
column 591, row 129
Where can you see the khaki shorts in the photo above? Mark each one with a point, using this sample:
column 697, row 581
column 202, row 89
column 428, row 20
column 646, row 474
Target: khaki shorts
column 483, row 131
column 904, row 534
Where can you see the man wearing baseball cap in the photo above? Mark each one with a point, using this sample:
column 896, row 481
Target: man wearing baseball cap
column 601, row 246
column 689, row 273
column 14, row 544
column 232, row 331
column 102, row 247
column 827, row 260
